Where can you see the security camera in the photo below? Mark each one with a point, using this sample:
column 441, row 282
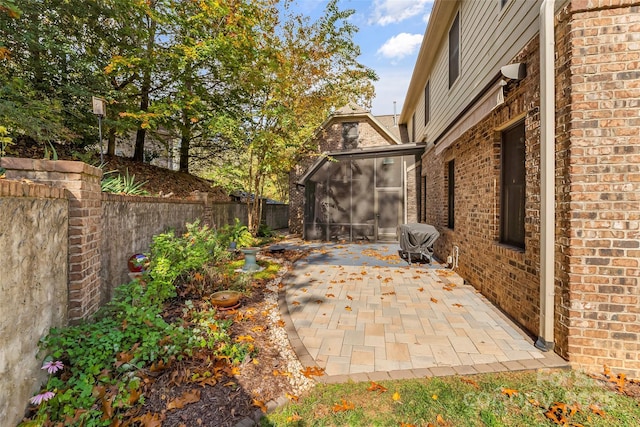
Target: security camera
column 517, row 71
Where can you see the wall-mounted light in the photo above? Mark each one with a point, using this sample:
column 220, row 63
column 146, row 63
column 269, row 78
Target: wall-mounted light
column 517, row 71
column 388, row 161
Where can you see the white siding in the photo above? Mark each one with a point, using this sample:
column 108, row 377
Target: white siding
column 489, row 38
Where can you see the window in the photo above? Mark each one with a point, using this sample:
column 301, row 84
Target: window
column 512, row 211
column 349, row 135
column 451, row 194
column 413, row 127
column 454, row 50
column 427, row 104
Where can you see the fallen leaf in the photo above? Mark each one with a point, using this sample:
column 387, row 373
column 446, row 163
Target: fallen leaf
column 258, row 328
column 312, row 371
column 420, row 289
column 344, row 406
column 244, row 338
column 295, row 303
column 330, row 295
column 376, row 387
column 434, row 397
column 348, row 308
column 319, row 301
column 260, row 404
column 184, row 399
column 396, row 396
column 291, row 397
column 349, row 297
column 293, row 418
column 469, row 381
column 534, row 402
column 440, row 420
column 150, row 420
column 447, row 288
column 281, row 323
column 434, row 300
column 596, row 410
column 457, row 305
column 509, row 392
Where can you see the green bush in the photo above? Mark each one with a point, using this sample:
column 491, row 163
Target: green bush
column 237, row 233
column 122, row 184
column 102, row 357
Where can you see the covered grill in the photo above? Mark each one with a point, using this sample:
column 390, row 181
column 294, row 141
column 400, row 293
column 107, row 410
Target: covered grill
column 417, row 239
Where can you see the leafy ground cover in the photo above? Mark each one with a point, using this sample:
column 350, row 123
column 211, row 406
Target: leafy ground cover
column 544, row 398
column 160, row 353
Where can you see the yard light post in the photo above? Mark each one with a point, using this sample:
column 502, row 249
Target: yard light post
column 100, row 110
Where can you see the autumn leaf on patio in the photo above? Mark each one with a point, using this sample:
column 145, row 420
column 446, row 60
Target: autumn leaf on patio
column 364, row 273
column 319, row 301
column 348, row 308
column 433, row 300
column 349, row 297
column 291, row 397
column 509, row 392
column 447, row 288
column 387, row 280
column 184, row 399
column 312, row 371
column 293, row 418
column 344, row 406
column 260, row 404
column 420, row 289
column 457, row 305
column 415, row 277
column 295, row 303
column 376, row 387
column 321, row 271
column 330, row 295
column 378, row 277
column 304, row 290
column 281, row 323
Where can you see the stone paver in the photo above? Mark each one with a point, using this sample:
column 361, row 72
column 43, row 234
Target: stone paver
column 359, row 311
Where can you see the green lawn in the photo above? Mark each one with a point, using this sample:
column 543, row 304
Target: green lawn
column 507, row 399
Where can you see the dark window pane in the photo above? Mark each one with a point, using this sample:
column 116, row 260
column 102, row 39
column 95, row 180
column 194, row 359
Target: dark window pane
column 513, row 186
column 427, row 102
column 451, row 194
column 349, row 135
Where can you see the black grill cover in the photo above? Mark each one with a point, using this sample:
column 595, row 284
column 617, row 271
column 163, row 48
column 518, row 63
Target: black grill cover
column 417, row 238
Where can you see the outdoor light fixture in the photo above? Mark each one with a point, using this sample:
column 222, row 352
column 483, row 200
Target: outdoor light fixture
column 100, row 110
column 517, row 71
column 388, row 161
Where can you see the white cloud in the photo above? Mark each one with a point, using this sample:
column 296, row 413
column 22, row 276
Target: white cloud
column 393, row 11
column 401, row 45
column 426, row 17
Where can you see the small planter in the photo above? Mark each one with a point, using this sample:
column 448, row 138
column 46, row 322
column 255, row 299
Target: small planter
column 250, row 263
column 226, row 299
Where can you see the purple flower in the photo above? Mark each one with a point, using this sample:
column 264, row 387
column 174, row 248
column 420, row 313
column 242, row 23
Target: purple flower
column 42, row 397
column 53, row 367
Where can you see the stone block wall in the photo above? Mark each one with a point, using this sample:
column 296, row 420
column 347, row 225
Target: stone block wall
column 604, row 188
column 33, row 286
column 129, row 224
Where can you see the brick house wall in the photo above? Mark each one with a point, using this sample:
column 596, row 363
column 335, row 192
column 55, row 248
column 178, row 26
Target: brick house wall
column 597, row 181
column 604, row 187
column 508, row 276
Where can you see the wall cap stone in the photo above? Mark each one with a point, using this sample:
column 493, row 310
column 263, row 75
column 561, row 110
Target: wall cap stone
column 40, row 165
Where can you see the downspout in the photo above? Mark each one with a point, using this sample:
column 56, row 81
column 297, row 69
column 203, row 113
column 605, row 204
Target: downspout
column 546, row 340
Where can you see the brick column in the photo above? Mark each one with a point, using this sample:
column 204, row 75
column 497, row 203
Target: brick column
column 207, row 214
column 85, row 229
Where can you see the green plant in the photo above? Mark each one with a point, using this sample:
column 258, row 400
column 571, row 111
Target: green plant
column 5, row 141
column 122, row 184
column 102, row 357
column 265, row 231
column 50, row 155
column 238, row 233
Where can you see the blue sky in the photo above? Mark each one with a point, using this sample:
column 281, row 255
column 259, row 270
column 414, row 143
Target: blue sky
column 390, row 35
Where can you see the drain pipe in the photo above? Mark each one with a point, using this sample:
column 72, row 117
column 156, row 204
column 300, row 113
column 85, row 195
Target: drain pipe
column 546, row 340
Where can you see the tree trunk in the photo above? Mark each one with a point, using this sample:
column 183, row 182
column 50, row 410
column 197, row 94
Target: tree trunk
column 111, row 143
column 145, row 89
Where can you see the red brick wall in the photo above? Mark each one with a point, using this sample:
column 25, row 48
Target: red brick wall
column 507, row 276
column 604, row 252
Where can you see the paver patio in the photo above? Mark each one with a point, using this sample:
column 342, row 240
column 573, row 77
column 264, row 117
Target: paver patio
column 359, row 311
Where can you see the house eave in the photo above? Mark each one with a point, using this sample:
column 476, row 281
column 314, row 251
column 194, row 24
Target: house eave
column 361, row 153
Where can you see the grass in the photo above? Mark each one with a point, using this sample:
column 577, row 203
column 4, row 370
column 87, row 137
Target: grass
column 505, row 399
